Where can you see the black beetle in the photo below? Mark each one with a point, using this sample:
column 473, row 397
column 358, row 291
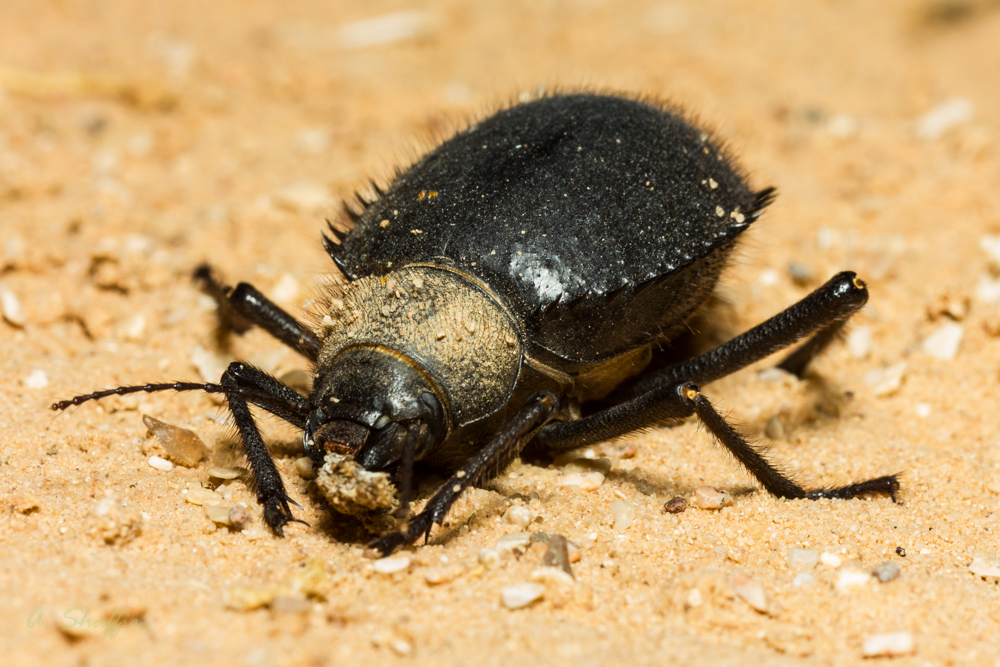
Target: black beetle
column 513, row 278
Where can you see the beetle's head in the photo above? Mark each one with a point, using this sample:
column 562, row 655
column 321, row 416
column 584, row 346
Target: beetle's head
column 369, row 401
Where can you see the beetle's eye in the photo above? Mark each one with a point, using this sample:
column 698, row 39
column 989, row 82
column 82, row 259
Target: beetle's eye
column 381, row 422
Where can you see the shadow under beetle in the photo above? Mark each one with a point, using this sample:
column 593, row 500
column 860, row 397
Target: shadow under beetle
column 523, row 269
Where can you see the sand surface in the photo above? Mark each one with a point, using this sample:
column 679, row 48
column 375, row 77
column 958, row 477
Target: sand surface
column 139, row 139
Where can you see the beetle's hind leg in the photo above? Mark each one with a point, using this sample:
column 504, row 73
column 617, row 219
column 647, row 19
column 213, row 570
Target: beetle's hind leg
column 489, row 462
column 683, row 399
column 821, row 314
column 244, row 306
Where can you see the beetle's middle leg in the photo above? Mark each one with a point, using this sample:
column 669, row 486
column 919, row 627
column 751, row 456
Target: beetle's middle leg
column 489, row 462
column 677, row 401
column 245, row 306
column 821, row 314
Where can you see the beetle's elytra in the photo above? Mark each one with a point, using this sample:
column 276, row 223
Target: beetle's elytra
column 503, row 283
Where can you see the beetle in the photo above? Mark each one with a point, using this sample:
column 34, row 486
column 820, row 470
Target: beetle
column 508, row 291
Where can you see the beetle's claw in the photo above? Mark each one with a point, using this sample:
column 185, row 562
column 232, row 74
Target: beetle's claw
column 277, row 514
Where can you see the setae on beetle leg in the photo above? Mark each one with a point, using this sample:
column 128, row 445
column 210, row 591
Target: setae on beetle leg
column 266, row 480
column 244, row 306
column 822, row 312
column 679, row 400
column 489, row 462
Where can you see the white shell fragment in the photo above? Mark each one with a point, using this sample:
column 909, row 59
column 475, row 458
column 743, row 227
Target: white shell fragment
column 11, row 308
column 950, row 113
column 586, row 481
column 37, row 379
column 886, row 381
column 518, row 515
column 944, row 341
column 750, row 591
column 199, row 496
column 521, row 595
column 984, row 568
column 623, row 513
column 160, row 463
column 848, row 580
column 512, row 541
column 392, row 564
column 859, row 342
column 889, row 644
column 802, row 559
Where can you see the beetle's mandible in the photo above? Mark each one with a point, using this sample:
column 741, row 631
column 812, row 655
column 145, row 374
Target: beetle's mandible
column 507, row 291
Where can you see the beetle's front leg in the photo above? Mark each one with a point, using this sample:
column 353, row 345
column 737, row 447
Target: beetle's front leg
column 265, row 478
column 481, row 468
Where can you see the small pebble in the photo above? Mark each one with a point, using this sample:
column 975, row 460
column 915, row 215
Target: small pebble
column 133, row 328
column 799, row 273
column 946, row 115
column 442, row 574
column 887, row 571
column 401, row 647
column 694, row 599
column 200, row 496
column 489, row 558
column 239, row 517
column 889, row 644
column 513, row 541
column 750, row 591
column 557, row 554
column 219, row 514
column 160, row 463
column 588, row 481
column 984, row 568
column 675, row 505
column 11, row 308
column 623, row 514
column 518, row 515
column 183, row 446
column 886, row 381
column 859, row 342
column 943, row 343
column 710, row 498
column 37, row 379
column 923, row 410
column 802, row 559
column 775, row 428
column 802, row 578
column 304, row 467
column 521, row 595
column 392, row 564
column 829, row 559
column 850, row 579
column 552, row 575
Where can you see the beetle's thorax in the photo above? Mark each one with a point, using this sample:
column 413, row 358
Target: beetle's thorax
column 446, row 325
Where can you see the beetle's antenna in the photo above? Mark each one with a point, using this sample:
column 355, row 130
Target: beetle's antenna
column 250, row 395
